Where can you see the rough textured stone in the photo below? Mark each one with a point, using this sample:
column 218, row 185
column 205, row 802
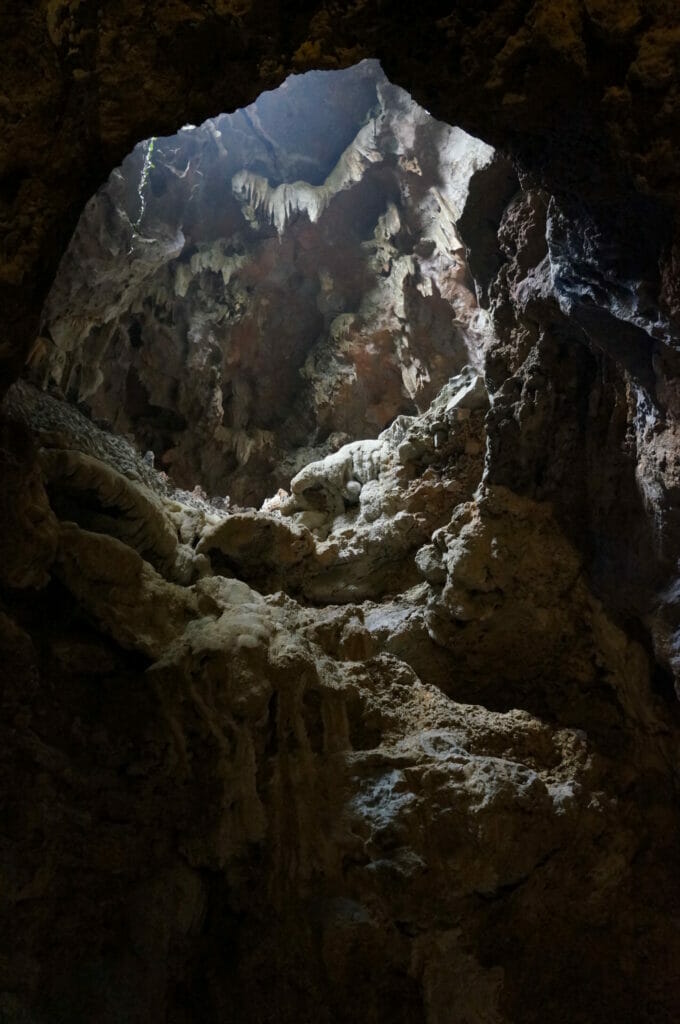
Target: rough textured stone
column 587, row 100
column 453, row 797
column 242, row 304
column 427, row 741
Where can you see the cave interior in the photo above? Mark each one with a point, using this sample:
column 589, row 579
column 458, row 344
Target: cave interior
column 339, row 606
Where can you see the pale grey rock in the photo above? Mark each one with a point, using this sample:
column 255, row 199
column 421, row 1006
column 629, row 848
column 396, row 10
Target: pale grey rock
column 167, row 318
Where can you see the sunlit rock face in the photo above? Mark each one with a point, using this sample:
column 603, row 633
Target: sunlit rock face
column 245, row 296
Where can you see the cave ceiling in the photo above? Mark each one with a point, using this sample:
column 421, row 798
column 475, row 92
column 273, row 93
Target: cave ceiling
column 583, row 95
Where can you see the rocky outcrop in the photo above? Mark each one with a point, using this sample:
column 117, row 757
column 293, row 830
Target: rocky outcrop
column 353, row 522
column 392, row 756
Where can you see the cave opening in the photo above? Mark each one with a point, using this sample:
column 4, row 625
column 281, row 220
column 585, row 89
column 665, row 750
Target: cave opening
column 247, row 296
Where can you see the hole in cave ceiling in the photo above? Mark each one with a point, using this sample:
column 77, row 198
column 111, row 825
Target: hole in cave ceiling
column 248, row 295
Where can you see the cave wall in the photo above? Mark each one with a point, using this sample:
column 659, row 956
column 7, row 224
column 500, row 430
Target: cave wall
column 375, row 750
column 243, row 298
column 398, row 747
column 584, row 95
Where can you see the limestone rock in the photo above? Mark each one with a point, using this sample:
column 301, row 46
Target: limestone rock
column 454, row 795
column 233, row 303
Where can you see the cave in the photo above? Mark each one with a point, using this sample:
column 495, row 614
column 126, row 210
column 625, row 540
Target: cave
column 338, row 572
column 245, row 296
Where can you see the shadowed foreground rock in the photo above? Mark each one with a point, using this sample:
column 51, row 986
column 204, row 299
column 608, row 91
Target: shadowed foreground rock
column 385, row 784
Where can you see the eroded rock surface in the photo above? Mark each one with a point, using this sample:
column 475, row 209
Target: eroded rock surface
column 371, row 752
column 452, row 797
column 242, row 301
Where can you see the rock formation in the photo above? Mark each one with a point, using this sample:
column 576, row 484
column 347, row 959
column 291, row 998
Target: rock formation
column 258, row 752
column 242, row 303
column 400, row 744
